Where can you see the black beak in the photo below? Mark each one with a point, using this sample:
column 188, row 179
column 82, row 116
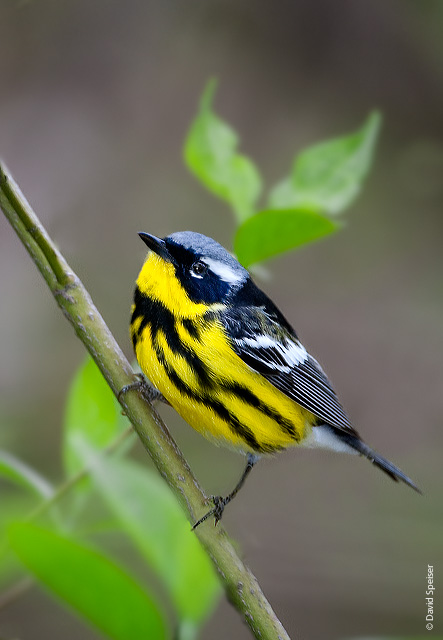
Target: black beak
column 157, row 245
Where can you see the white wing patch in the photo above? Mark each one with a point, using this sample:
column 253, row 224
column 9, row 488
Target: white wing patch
column 262, row 341
column 224, row 271
column 282, row 356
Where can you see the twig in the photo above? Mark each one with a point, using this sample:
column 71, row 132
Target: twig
column 241, row 587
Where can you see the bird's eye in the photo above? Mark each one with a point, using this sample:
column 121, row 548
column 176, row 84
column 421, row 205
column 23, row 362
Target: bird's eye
column 199, row 268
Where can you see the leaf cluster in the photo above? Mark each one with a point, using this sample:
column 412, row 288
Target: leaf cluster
column 304, row 206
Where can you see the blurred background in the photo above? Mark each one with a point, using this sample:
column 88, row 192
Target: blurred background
column 95, row 102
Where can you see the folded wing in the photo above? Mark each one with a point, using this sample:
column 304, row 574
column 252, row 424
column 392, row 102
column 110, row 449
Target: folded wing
column 263, row 341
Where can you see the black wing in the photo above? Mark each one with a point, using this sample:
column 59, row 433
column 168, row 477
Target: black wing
column 262, row 338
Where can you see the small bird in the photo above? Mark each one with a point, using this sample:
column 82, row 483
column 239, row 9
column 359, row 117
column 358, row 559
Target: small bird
column 224, row 357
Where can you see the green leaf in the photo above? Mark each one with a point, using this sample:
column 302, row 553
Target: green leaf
column 22, row 474
column 155, row 522
column 13, row 506
column 89, row 582
column 93, row 416
column 210, row 153
column 329, row 175
column 271, row 232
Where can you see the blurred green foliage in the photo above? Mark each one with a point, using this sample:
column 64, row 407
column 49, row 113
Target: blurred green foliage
column 93, row 418
column 210, row 153
column 271, row 232
column 84, row 574
column 95, row 586
column 329, row 175
column 324, row 180
column 99, row 588
column 18, row 472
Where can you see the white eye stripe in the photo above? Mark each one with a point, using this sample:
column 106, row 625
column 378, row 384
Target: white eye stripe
column 224, row 271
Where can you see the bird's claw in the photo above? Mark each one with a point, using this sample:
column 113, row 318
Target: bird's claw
column 219, row 506
column 148, row 391
column 217, row 511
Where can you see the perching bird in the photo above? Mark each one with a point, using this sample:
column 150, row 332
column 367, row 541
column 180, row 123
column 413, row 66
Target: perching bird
column 222, row 354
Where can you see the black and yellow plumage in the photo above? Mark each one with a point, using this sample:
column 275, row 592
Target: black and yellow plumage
column 223, row 355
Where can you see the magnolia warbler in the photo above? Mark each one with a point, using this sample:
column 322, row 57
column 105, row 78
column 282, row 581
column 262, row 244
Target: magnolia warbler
column 221, row 353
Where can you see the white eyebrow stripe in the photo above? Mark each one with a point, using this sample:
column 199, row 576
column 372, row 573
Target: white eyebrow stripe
column 224, row 271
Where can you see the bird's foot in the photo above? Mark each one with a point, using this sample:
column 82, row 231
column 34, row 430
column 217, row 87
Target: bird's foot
column 148, row 391
column 217, row 511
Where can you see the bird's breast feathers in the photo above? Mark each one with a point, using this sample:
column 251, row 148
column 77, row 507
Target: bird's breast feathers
column 193, row 363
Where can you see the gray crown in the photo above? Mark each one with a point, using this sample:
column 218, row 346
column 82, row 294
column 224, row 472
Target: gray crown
column 206, row 247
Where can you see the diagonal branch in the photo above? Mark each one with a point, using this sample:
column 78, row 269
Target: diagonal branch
column 241, row 586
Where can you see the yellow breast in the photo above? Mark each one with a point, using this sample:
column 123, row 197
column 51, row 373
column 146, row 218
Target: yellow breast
column 188, row 357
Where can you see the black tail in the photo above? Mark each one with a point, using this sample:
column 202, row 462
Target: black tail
column 393, row 472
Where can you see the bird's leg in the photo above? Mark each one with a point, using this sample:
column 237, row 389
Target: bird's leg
column 220, row 502
column 148, row 391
